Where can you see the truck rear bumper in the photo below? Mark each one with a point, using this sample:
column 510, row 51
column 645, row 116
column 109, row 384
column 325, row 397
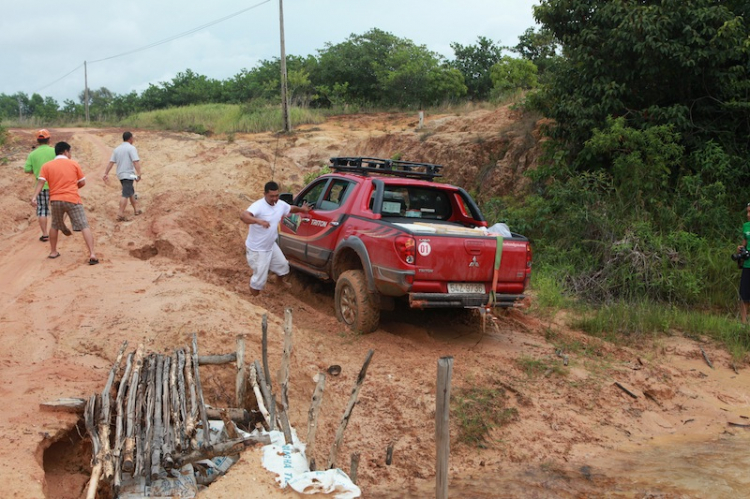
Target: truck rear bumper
column 446, row 300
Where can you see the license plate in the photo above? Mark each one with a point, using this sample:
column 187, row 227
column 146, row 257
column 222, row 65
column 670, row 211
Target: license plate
column 463, row 288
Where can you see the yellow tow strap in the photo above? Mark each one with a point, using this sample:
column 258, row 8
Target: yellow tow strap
column 496, row 273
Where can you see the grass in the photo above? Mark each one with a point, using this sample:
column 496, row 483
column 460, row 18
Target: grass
column 206, row 119
column 478, row 410
column 534, row 368
column 634, row 323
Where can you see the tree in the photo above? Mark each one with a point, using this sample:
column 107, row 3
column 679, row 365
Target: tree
column 381, row 69
column 475, row 63
column 539, row 47
column 652, row 62
column 510, row 75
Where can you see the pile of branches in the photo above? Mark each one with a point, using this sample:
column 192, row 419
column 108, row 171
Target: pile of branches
column 160, row 419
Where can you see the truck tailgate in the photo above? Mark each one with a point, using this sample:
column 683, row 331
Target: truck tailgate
column 467, row 257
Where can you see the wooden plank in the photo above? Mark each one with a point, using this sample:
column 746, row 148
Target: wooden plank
column 442, row 425
column 258, row 395
column 312, row 419
column 199, row 391
column 227, row 358
column 119, row 423
column 240, row 391
column 105, row 418
column 348, row 412
column 271, row 402
column 68, row 404
column 285, row 359
column 96, row 463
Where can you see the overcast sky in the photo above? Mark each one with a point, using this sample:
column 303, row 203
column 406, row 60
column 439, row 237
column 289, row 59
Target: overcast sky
column 41, row 43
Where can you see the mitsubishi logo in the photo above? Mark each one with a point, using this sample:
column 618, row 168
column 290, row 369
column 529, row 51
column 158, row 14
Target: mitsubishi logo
column 474, row 262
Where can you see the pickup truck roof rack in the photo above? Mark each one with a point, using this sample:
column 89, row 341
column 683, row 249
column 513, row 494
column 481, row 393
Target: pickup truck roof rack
column 364, row 166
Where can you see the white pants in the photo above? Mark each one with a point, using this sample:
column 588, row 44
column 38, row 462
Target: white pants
column 263, row 261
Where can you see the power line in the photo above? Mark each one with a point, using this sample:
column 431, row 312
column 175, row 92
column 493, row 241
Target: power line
column 155, row 44
column 175, row 37
column 50, row 84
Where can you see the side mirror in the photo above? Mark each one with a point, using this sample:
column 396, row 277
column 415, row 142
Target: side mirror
column 287, row 197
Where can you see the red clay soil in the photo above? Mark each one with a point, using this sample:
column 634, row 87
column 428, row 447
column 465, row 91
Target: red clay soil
column 179, row 268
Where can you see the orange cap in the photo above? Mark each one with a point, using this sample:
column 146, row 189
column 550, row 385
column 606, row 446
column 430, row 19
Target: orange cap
column 43, row 134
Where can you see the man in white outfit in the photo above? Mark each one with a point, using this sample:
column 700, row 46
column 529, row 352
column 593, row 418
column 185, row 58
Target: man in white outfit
column 261, row 250
column 125, row 156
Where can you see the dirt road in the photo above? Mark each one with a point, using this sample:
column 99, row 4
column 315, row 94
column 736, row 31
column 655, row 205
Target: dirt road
column 179, row 268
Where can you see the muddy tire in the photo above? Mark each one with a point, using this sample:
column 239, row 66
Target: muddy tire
column 355, row 306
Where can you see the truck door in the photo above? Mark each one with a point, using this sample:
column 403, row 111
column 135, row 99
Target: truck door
column 316, row 232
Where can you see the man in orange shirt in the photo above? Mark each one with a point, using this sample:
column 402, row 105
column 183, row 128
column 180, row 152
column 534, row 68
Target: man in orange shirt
column 65, row 177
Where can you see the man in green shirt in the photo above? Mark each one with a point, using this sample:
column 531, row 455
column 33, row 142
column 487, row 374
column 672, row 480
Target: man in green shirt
column 40, row 155
column 745, row 279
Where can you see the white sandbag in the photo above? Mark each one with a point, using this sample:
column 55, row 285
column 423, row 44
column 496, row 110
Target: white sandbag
column 334, row 482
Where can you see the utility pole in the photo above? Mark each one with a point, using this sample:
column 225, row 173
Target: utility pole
column 86, row 91
column 284, row 97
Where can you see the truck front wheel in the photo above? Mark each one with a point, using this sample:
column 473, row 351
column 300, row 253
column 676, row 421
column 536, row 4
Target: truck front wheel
column 354, row 305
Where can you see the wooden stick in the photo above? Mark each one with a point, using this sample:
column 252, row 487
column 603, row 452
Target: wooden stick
column 267, row 396
column 264, row 328
column 312, row 419
column 236, row 414
column 353, row 468
column 227, row 358
column 389, row 454
column 348, row 412
column 192, row 417
column 158, row 426
column 258, row 395
column 174, row 407
column 626, row 390
column 105, row 418
column 148, row 430
column 96, row 464
column 140, row 415
column 183, row 442
column 271, row 402
column 241, row 382
column 120, row 402
column 229, row 427
column 285, row 359
column 442, row 425
column 705, row 357
column 67, row 404
column 167, row 444
column 226, row 448
column 199, row 389
column 129, row 443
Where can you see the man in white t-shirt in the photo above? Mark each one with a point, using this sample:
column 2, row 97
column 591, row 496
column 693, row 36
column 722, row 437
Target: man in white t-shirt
column 261, row 250
column 125, row 156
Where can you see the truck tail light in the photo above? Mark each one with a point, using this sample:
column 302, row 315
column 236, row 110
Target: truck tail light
column 406, row 248
column 528, row 265
column 528, row 256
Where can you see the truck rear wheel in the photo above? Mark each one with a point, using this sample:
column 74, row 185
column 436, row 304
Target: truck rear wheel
column 355, row 306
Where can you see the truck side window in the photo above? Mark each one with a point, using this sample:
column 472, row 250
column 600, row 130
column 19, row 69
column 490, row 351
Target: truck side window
column 312, row 195
column 336, row 195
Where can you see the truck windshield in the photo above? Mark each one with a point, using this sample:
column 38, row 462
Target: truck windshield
column 415, row 202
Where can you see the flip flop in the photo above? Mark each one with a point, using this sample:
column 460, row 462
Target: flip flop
column 138, row 212
column 122, row 219
column 93, row 261
column 55, row 256
column 44, row 238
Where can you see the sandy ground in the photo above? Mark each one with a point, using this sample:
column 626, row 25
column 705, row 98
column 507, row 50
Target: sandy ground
column 179, row 268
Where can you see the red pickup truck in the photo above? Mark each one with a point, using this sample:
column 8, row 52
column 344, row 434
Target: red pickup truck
column 383, row 230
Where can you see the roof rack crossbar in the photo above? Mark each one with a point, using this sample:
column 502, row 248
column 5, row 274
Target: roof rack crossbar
column 398, row 168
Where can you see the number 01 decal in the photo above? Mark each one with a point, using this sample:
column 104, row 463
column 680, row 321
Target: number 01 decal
column 424, row 248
